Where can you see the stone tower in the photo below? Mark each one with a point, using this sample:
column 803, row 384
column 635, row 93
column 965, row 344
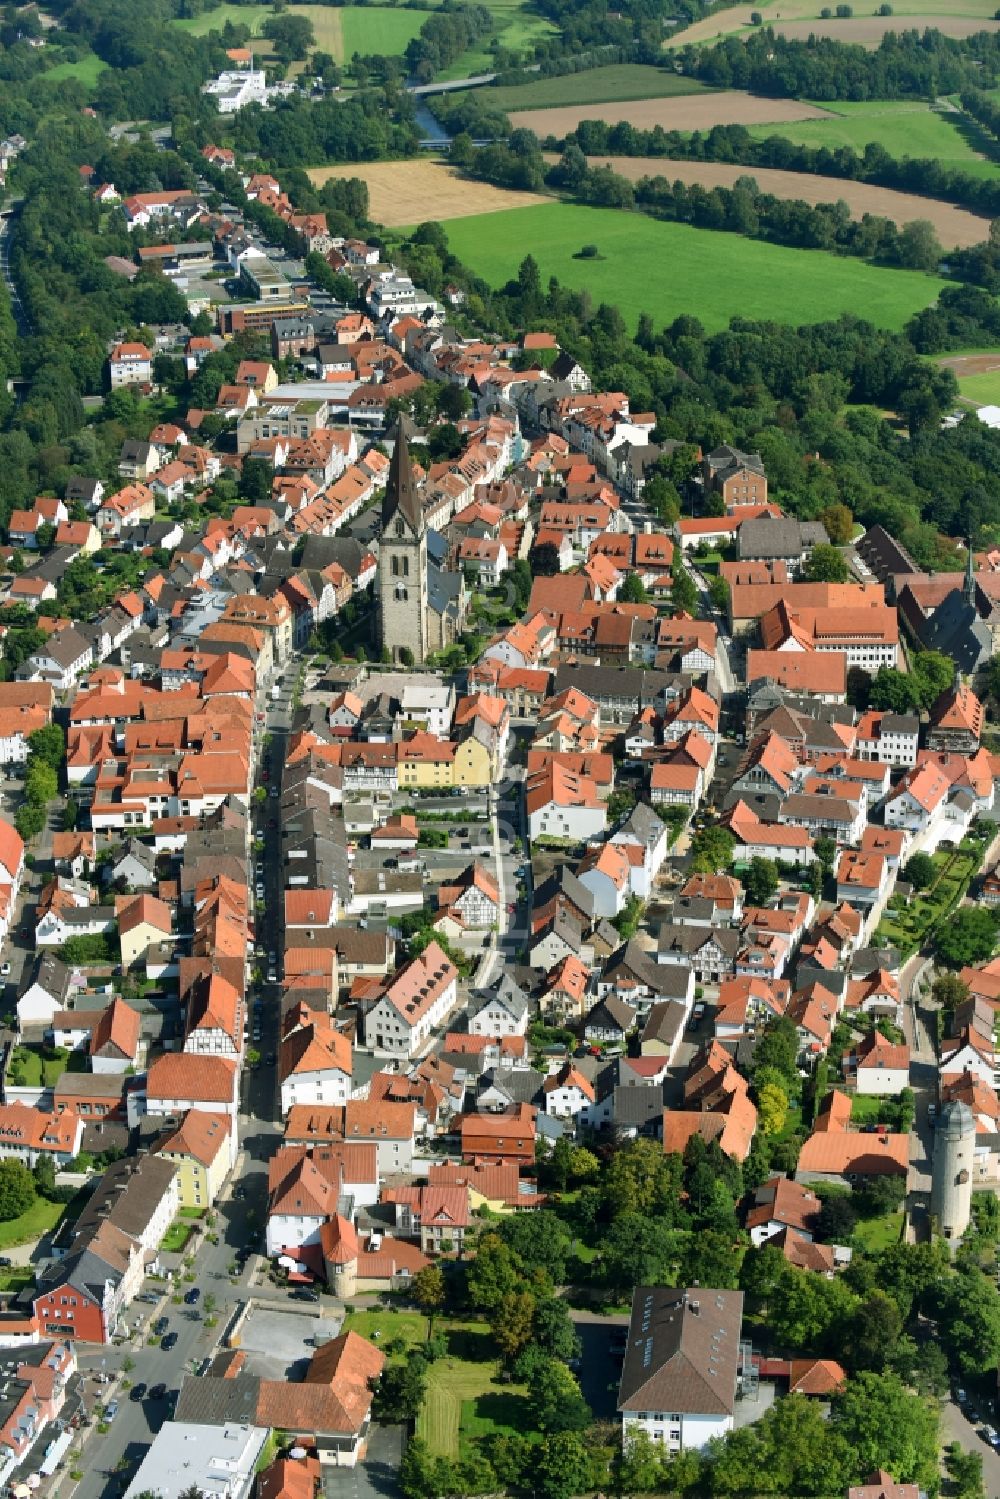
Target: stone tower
column 402, row 562
column 952, row 1169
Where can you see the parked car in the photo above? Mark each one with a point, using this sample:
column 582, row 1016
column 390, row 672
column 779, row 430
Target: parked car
column 304, row 1294
column 111, row 1410
column 157, row 1391
column 160, row 1326
column 5, row 1262
column 138, row 1392
column 4, row 969
column 192, row 1297
column 272, row 975
column 170, row 1341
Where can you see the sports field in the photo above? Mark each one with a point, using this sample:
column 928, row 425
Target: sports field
column 978, row 376
column 668, row 269
column 407, row 192
column 689, row 112
column 778, row 13
column 597, row 86
column 907, row 128
column 955, row 227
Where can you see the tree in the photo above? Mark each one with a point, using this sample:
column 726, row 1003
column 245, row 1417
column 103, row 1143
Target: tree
column 969, row 1320
column 949, row 991
column 875, row 1333
column 968, row 937
column 718, row 592
column 544, row 560
column 636, row 1250
column 760, row 881
column 839, row 523
column 711, row 850
column 540, row 1240
column 255, row 481
column 772, row 1109
column 837, row 1219
column 492, row 1275
column 633, row 590
column 888, row 1427
column 428, row 1288
column 423, row 1475
column 825, row 850
column 17, row 1190
column 48, row 744
column 552, row 1329
column 400, row 1391
column 44, row 1174
column 562, row 1467
column 825, row 564
column 683, row 594
column 919, row 871
column 556, row 1402
column 778, row 1047
column 511, row 1324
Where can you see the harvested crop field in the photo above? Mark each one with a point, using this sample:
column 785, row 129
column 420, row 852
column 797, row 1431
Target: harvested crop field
column 690, row 112
column 956, row 227
column 869, row 30
column 779, row 13
column 408, row 192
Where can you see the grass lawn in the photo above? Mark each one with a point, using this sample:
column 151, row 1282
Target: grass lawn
column 668, row 269
column 86, row 70
column 903, row 128
column 33, row 1070
column 344, row 30
column 873, row 1234
column 214, row 20
column 176, row 1237
column 867, row 1109
column 383, row 1327
column 12, row 1281
column 598, row 86
column 40, row 1218
column 464, row 1400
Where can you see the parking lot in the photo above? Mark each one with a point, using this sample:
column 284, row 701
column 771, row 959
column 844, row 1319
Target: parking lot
column 279, row 1345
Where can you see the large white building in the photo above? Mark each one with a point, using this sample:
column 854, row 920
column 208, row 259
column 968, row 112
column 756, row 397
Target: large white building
column 682, row 1366
column 216, row 1460
column 235, row 90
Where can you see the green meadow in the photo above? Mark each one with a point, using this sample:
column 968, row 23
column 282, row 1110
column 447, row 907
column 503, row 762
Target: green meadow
column 668, row 269
column 598, row 86
column 903, row 128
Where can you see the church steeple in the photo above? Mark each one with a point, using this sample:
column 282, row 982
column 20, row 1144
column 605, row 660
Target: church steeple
column 970, row 578
column 401, row 489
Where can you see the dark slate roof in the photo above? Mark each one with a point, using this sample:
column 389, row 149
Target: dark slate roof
column 216, row 1402
column 401, row 487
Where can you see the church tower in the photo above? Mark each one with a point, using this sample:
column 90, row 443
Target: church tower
column 402, row 562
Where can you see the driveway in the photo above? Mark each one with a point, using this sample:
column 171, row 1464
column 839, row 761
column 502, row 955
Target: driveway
column 378, row 1476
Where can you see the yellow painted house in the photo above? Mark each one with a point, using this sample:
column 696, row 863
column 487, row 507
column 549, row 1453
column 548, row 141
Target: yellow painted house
column 474, row 765
column 199, row 1148
column 426, row 763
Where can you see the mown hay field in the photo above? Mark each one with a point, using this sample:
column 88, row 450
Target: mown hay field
column 407, row 192
column 344, row 30
column 668, row 269
column 689, row 112
column 956, row 227
column 781, row 13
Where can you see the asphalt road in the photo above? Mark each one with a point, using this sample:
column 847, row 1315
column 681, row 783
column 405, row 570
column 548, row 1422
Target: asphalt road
column 109, row 1461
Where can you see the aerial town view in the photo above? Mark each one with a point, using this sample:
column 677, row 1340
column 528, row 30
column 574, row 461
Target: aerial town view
column 499, row 749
